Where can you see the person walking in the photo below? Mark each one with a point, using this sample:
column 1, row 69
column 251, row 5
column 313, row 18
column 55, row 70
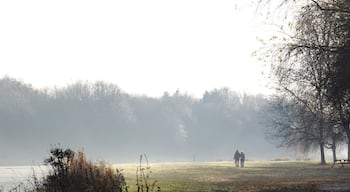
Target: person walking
column 242, row 159
column 236, row 158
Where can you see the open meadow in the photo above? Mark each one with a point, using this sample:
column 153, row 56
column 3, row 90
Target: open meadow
column 255, row 176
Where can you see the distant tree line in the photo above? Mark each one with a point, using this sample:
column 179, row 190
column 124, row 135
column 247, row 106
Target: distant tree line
column 112, row 124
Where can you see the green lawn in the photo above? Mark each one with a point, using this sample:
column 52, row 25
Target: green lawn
column 256, row 176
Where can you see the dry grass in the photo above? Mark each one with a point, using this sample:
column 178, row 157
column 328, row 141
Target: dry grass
column 256, row 176
column 71, row 172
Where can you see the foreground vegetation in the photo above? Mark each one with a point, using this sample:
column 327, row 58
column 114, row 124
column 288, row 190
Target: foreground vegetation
column 256, row 176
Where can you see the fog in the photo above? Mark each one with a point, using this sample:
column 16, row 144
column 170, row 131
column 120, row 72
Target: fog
column 114, row 126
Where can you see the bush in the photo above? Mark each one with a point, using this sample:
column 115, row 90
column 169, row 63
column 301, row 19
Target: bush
column 71, row 172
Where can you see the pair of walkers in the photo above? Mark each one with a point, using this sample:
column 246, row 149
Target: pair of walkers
column 239, row 157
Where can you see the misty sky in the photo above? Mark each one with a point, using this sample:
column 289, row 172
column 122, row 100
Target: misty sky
column 145, row 47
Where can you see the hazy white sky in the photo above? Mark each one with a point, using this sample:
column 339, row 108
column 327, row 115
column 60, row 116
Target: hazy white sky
column 145, row 47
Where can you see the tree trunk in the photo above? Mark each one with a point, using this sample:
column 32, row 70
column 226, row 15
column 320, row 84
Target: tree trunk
column 348, row 136
column 321, row 139
column 347, row 131
column 323, row 160
column 334, row 148
column 348, row 149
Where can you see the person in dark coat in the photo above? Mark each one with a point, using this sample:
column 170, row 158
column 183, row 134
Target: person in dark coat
column 236, row 158
column 242, row 159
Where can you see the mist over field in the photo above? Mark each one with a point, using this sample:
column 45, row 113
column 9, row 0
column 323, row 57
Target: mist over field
column 115, row 126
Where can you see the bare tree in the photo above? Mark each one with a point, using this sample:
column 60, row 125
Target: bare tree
column 338, row 89
column 291, row 124
column 304, row 64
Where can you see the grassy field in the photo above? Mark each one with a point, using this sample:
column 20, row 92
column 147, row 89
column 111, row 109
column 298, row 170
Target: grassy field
column 256, row 176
